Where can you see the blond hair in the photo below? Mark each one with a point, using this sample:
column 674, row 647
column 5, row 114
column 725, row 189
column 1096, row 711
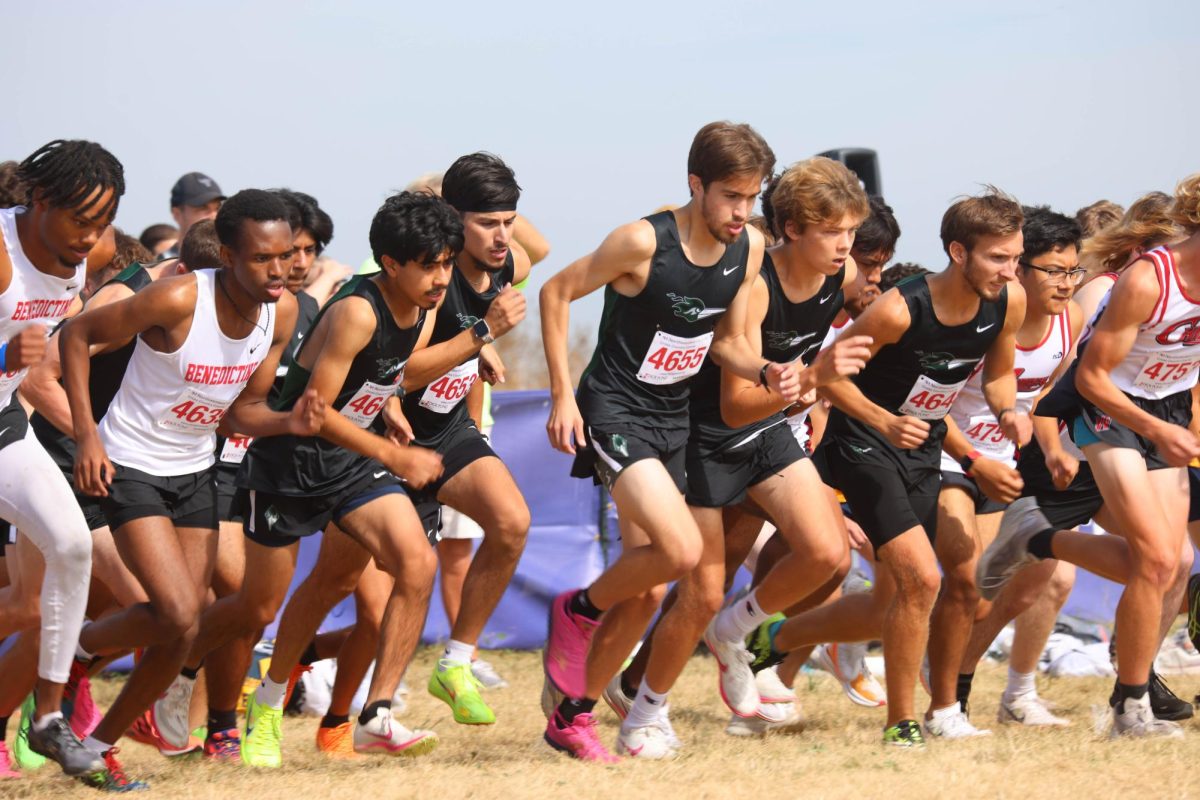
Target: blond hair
column 1147, row 224
column 1186, row 209
column 813, row 191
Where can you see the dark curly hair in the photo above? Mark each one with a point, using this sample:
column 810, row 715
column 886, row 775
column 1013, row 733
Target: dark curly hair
column 414, row 226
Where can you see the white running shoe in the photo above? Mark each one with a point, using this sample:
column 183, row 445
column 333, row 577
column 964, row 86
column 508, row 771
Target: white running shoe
column 771, row 717
column 1135, row 718
column 735, row 678
column 170, row 713
column 649, row 741
column 616, row 698
column 385, row 735
column 952, row 723
column 664, row 723
column 1009, row 552
column 848, row 663
column 1028, row 709
column 486, row 674
column 771, row 689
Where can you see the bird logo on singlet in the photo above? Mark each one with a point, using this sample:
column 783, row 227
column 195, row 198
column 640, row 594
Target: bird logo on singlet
column 387, row 367
column 943, row 362
column 691, row 308
column 466, row 320
column 783, row 340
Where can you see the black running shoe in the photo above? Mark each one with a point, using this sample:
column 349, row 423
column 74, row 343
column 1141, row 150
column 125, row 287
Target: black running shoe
column 57, row 743
column 1165, row 704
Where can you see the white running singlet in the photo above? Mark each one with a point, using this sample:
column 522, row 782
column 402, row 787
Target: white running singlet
column 799, row 422
column 164, row 418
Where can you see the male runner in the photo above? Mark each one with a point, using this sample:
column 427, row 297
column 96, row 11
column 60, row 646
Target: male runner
column 883, row 442
column 73, row 190
column 668, row 279
column 201, row 339
column 1127, row 402
column 194, row 197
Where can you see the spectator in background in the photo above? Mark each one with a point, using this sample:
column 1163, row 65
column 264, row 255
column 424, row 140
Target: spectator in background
column 194, row 197
column 1098, row 215
column 898, row 272
column 159, row 238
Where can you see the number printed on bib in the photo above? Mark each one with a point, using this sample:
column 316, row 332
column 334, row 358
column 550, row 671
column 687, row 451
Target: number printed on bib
column 234, row 450
column 672, row 359
column 367, row 402
column 448, row 391
column 195, row 413
column 1163, row 371
column 986, row 436
column 930, row 400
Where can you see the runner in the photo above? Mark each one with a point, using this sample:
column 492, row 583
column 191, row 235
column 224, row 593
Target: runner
column 201, row 339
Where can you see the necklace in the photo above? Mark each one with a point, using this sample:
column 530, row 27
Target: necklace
column 221, row 283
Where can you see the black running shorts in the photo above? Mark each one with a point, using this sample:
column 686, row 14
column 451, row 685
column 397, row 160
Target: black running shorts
column 61, row 450
column 1064, row 508
column 719, row 476
column 1093, row 425
column 189, row 501
column 983, row 503
column 608, row 453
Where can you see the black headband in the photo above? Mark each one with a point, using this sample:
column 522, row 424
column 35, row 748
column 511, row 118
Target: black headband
column 484, row 207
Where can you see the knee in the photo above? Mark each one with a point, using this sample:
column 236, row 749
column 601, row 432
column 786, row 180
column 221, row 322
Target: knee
column 832, row 555
column 72, row 554
column 258, row 615
column 958, row 586
column 1186, row 559
column 1062, row 581
column 413, row 569
column 681, row 556
column 649, row 601
column 507, row 536
column 918, row 586
column 176, row 617
column 1158, row 565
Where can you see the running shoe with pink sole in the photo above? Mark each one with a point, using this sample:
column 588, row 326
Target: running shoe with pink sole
column 7, row 768
column 565, row 657
column 578, row 739
column 385, row 735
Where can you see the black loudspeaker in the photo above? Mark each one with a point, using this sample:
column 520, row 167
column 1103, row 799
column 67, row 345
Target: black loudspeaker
column 863, row 162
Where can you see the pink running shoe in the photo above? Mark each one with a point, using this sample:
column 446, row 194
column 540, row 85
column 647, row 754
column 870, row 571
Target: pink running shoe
column 579, row 739
column 565, row 657
column 224, row 746
column 78, row 692
column 7, row 768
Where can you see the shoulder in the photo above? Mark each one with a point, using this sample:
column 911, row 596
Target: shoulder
column 1015, row 312
column 634, row 239
column 889, row 312
column 286, row 309
column 851, row 272
column 178, row 291
column 1074, row 317
column 1140, row 281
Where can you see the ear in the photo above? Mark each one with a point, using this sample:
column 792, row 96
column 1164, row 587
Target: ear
column 389, row 264
column 226, row 258
column 958, row 253
column 791, row 230
column 694, row 185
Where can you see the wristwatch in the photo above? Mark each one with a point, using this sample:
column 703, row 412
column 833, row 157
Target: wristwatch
column 482, row 332
column 967, row 462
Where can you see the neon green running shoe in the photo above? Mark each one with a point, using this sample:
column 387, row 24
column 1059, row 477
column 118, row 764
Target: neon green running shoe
column 456, row 686
column 905, row 733
column 260, row 745
column 761, row 643
column 26, row 759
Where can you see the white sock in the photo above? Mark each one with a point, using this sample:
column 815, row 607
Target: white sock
column 646, row 708
column 40, row 723
column 97, row 746
column 271, row 693
column 458, row 652
column 736, row 622
column 1020, row 683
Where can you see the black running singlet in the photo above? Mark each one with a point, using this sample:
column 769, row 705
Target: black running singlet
column 921, row 375
column 651, row 344
column 436, row 410
column 303, row 465
column 790, row 331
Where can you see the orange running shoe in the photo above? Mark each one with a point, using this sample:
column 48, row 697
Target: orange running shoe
column 338, row 742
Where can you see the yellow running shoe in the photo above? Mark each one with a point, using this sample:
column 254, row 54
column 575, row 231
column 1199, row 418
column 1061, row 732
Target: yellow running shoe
column 260, row 745
column 454, row 684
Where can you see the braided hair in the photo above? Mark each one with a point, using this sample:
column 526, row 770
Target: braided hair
column 65, row 172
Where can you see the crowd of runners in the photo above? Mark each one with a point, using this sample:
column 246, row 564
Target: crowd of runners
column 179, row 412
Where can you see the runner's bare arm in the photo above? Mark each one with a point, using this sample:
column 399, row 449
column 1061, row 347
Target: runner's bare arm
column 1062, row 465
column 999, row 380
column 522, row 262
column 427, row 364
column 1133, row 299
column 531, row 239
column 743, row 401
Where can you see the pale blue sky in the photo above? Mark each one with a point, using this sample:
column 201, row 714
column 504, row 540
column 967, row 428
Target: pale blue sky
column 594, row 105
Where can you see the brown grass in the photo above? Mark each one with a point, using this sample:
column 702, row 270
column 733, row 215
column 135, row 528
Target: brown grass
column 838, row 755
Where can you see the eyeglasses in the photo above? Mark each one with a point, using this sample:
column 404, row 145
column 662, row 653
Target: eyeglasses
column 1058, row 277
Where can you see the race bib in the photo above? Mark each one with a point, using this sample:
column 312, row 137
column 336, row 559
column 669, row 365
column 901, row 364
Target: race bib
column 448, row 391
column 367, row 402
column 234, row 450
column 672, row 359
column 930, row 400
column 1162, row 371
column 193, row 412
column 986, row 436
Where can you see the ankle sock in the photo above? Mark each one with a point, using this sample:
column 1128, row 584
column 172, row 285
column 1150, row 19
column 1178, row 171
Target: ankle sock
column 569, row 709
column 581, row 604
column 646, row 707
column 372, row 711
column 1020, row 683
column 736, row 622
column 458, row 652
column 962, row 689
column 271, row 693
column 334, row 720
column 40, row 723
column 221, row 719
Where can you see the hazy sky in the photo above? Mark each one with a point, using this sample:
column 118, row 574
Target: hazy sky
column 594, row 105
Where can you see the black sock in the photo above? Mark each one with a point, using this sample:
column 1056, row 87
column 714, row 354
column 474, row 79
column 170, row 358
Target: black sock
column 1039, row 544
column 221, row 720
column 334, row 720
column 628, row 688
column 1126, row 691
column 309, row 656
column 568, row 709
column 372, row 711
column 962, row 690
column 190, row 673
column 581, row 604
column 3, row 729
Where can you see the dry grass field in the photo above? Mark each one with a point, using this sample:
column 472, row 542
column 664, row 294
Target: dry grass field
column 838, row 754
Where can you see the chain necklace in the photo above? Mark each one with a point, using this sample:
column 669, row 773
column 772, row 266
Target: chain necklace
column 221, row 283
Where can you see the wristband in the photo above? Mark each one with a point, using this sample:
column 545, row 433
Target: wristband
column 967, row 462
column 762, row 376
column 1004, row 411
column 400, row 390
column 4, row 357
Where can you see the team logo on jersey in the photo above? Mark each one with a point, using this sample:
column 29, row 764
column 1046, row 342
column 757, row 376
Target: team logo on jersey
column 466, row 320
column 1186, row 332
column 1029, row 384
column 1102, row 423
column 943, row 362
column 785, row 340
column 390, row 368
column 691, row 308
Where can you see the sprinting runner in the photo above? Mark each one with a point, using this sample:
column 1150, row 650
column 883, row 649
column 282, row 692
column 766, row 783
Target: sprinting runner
column 668, row 279
column 883, row 442
column 979, row 477
column 201, row 339
column 73, row 188
column 1126, row 404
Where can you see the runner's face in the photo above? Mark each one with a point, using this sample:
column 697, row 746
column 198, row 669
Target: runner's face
column 487, row 236
column 1049, row 294
column 992, row 263
column 71, row 233
column 262, row 259
column 866, row 281
column 306, row 254
column 825, row 246
column 727, row 204
column 423, row 282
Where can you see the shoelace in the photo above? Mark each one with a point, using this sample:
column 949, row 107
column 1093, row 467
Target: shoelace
column 226, row 745
column 592, row 746
column 116, row 772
